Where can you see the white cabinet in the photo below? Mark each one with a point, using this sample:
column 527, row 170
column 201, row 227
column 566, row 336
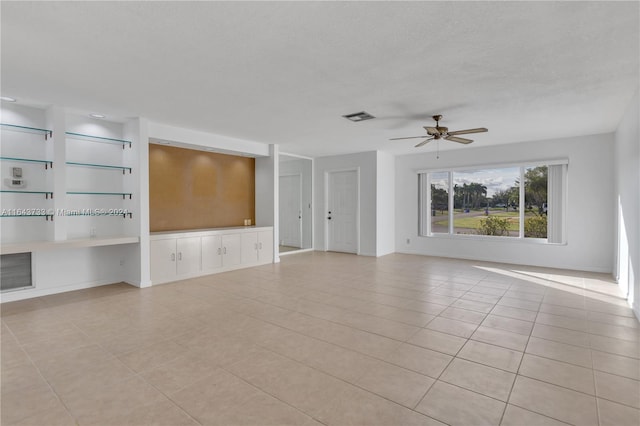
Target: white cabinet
column 173, row 258
column 257, row 247
column 231, row 250
column 211, row 252
column 249, row 248
column 191, row 254
column 265, row 246
column 163, row 260
column 220, row 251
column 188, row 255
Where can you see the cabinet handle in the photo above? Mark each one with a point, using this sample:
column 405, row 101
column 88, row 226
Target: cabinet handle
column 173, row 257
column 219, row 251
column 180, row 256
column 260, row 246
column 224, row 250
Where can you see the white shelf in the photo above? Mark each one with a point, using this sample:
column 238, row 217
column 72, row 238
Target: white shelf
column 65, row 244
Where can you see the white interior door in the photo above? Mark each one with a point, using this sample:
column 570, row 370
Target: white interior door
column 291, row 210
column 342, row 211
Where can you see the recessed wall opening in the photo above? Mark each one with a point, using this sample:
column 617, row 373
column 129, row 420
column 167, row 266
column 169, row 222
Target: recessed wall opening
column 190, row 189
column 15, row 271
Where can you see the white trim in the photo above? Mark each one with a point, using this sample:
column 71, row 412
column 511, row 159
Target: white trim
column 302, row 250
column 312, row 209
column 312, row 195
column 296, row 155
column 506, row 165
column 521, row 203
column 299, row 175
column 502, row 239
column 32, row 292
column 563, row 184
column 326, row 204
column 489, row 259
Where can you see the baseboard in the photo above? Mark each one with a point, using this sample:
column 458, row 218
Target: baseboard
column 367, row 254
column 138, row 284
column 29, row 293
column 494, row 260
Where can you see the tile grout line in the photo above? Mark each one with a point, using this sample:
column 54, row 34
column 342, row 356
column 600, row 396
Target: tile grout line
column 51, row 388
column 524, row 350
column 256, row 299
column 324, row 373
column 593, row 375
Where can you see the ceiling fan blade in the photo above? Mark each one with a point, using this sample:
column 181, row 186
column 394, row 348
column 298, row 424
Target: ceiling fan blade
column 424, row 142
column 457, row 139
column 464, row 132
column 410, row 137
column 432, row 130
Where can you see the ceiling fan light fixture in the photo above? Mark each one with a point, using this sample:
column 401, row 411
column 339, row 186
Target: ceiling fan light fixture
column 359, row 116
column 441, row 132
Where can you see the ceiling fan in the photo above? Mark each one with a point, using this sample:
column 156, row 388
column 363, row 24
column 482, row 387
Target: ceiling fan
column 440, row 132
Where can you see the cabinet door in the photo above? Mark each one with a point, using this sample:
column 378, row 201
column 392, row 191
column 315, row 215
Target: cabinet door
column 188, row 254
column 249, row 248
column 265, row 246
column 211, row 252
column 163, row 260
column 231, row 250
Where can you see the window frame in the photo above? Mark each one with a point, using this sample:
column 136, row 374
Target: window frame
column 522, row 165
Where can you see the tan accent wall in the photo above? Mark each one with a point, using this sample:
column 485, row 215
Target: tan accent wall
column 191, row 189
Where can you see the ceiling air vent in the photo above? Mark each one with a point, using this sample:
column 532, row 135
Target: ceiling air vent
column 359, row 116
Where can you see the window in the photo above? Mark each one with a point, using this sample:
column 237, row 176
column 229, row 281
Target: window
column 519, row 201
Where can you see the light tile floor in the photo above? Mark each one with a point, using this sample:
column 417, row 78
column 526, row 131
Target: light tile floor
column 326, row 338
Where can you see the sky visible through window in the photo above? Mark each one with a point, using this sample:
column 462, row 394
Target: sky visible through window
column 494, row 179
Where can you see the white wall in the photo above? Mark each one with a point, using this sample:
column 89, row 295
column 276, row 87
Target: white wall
column 385, row 201
column 194, row 138
column 16, row 144
column 366, row 162
column 627, row 204
column 58, row 270
column 137, row 265
column 589, row 214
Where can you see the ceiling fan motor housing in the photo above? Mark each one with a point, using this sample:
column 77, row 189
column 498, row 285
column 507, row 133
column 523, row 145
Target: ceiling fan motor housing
column 441, row 132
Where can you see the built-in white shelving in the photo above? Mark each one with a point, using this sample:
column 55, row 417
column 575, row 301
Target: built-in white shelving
column 27, row 193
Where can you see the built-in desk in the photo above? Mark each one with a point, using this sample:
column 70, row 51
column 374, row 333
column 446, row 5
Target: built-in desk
column 33, row 246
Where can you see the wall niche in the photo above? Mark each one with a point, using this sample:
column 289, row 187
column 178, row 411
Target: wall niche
column 191, row 189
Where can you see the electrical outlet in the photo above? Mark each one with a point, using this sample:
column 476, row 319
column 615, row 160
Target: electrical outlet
column 121, row 262
column 408, row 241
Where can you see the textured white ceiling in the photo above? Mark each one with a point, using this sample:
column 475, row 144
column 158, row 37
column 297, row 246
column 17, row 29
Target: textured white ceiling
column 285, row 72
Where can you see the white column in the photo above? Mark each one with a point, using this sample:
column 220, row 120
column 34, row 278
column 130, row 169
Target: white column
column 139, row 271
column 57, row 152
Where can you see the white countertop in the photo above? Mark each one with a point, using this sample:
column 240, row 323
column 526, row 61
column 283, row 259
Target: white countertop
column 31, row 246
column 204, row 231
